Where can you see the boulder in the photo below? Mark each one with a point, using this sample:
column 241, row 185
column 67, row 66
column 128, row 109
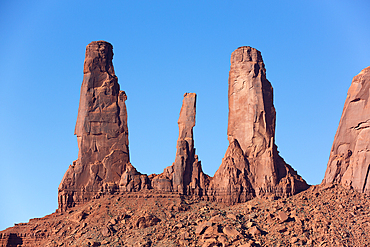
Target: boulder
column 349, row 161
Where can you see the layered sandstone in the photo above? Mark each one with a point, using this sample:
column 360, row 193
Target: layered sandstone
column 101, row 130
column 185, row 176
column 252, row 165
column 349, row 161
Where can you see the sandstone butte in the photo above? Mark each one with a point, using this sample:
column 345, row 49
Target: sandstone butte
column 251, row 166
column 349, row 161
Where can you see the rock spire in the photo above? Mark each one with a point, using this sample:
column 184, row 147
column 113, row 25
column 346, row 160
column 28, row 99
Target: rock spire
column 185, row 176
column 101, row 131
column 349, row 161
column 252, row 165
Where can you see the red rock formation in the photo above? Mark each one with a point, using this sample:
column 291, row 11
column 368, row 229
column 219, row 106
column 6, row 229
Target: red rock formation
column 252, row 114
column 349, row 161
column 185, row 176
column 185, row 154
column 101, row 130
column 252, row 165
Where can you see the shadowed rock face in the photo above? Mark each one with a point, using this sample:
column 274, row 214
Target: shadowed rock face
column 101, row 130
column 349, row 161
column 252, row 165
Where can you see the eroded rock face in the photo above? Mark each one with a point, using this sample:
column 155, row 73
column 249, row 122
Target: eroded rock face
column 252, row 160
column 185, row 176
column 101, row 131
column 349, row 161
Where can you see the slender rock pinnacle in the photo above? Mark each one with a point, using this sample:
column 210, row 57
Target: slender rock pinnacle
column 185, row 176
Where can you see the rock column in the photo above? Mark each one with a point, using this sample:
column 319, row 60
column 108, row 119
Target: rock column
column 101, row 131
column 252, row 165
column 252, row 115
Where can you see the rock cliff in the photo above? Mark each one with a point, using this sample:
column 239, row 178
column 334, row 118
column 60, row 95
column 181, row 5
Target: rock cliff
column 252, row 165
column 349, row 161
column 231, row 183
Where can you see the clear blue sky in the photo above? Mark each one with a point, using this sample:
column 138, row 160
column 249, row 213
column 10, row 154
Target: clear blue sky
column 312, row 50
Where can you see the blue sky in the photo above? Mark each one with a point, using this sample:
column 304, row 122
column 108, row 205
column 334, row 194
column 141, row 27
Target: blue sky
column 312, row 50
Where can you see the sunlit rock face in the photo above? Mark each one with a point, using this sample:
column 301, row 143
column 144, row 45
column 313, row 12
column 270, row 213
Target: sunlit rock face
column 101, row 131
column 349, row 161
column 252, row 160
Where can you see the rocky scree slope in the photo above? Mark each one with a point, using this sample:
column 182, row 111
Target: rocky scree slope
column 320, row 216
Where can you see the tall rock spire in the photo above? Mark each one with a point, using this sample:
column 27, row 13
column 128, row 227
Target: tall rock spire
column 252, row 115
column 349, row 161
column 252, row 162
column 101, row 131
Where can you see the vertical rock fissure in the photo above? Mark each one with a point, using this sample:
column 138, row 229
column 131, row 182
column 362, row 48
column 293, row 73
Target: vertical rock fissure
column 365, row 182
